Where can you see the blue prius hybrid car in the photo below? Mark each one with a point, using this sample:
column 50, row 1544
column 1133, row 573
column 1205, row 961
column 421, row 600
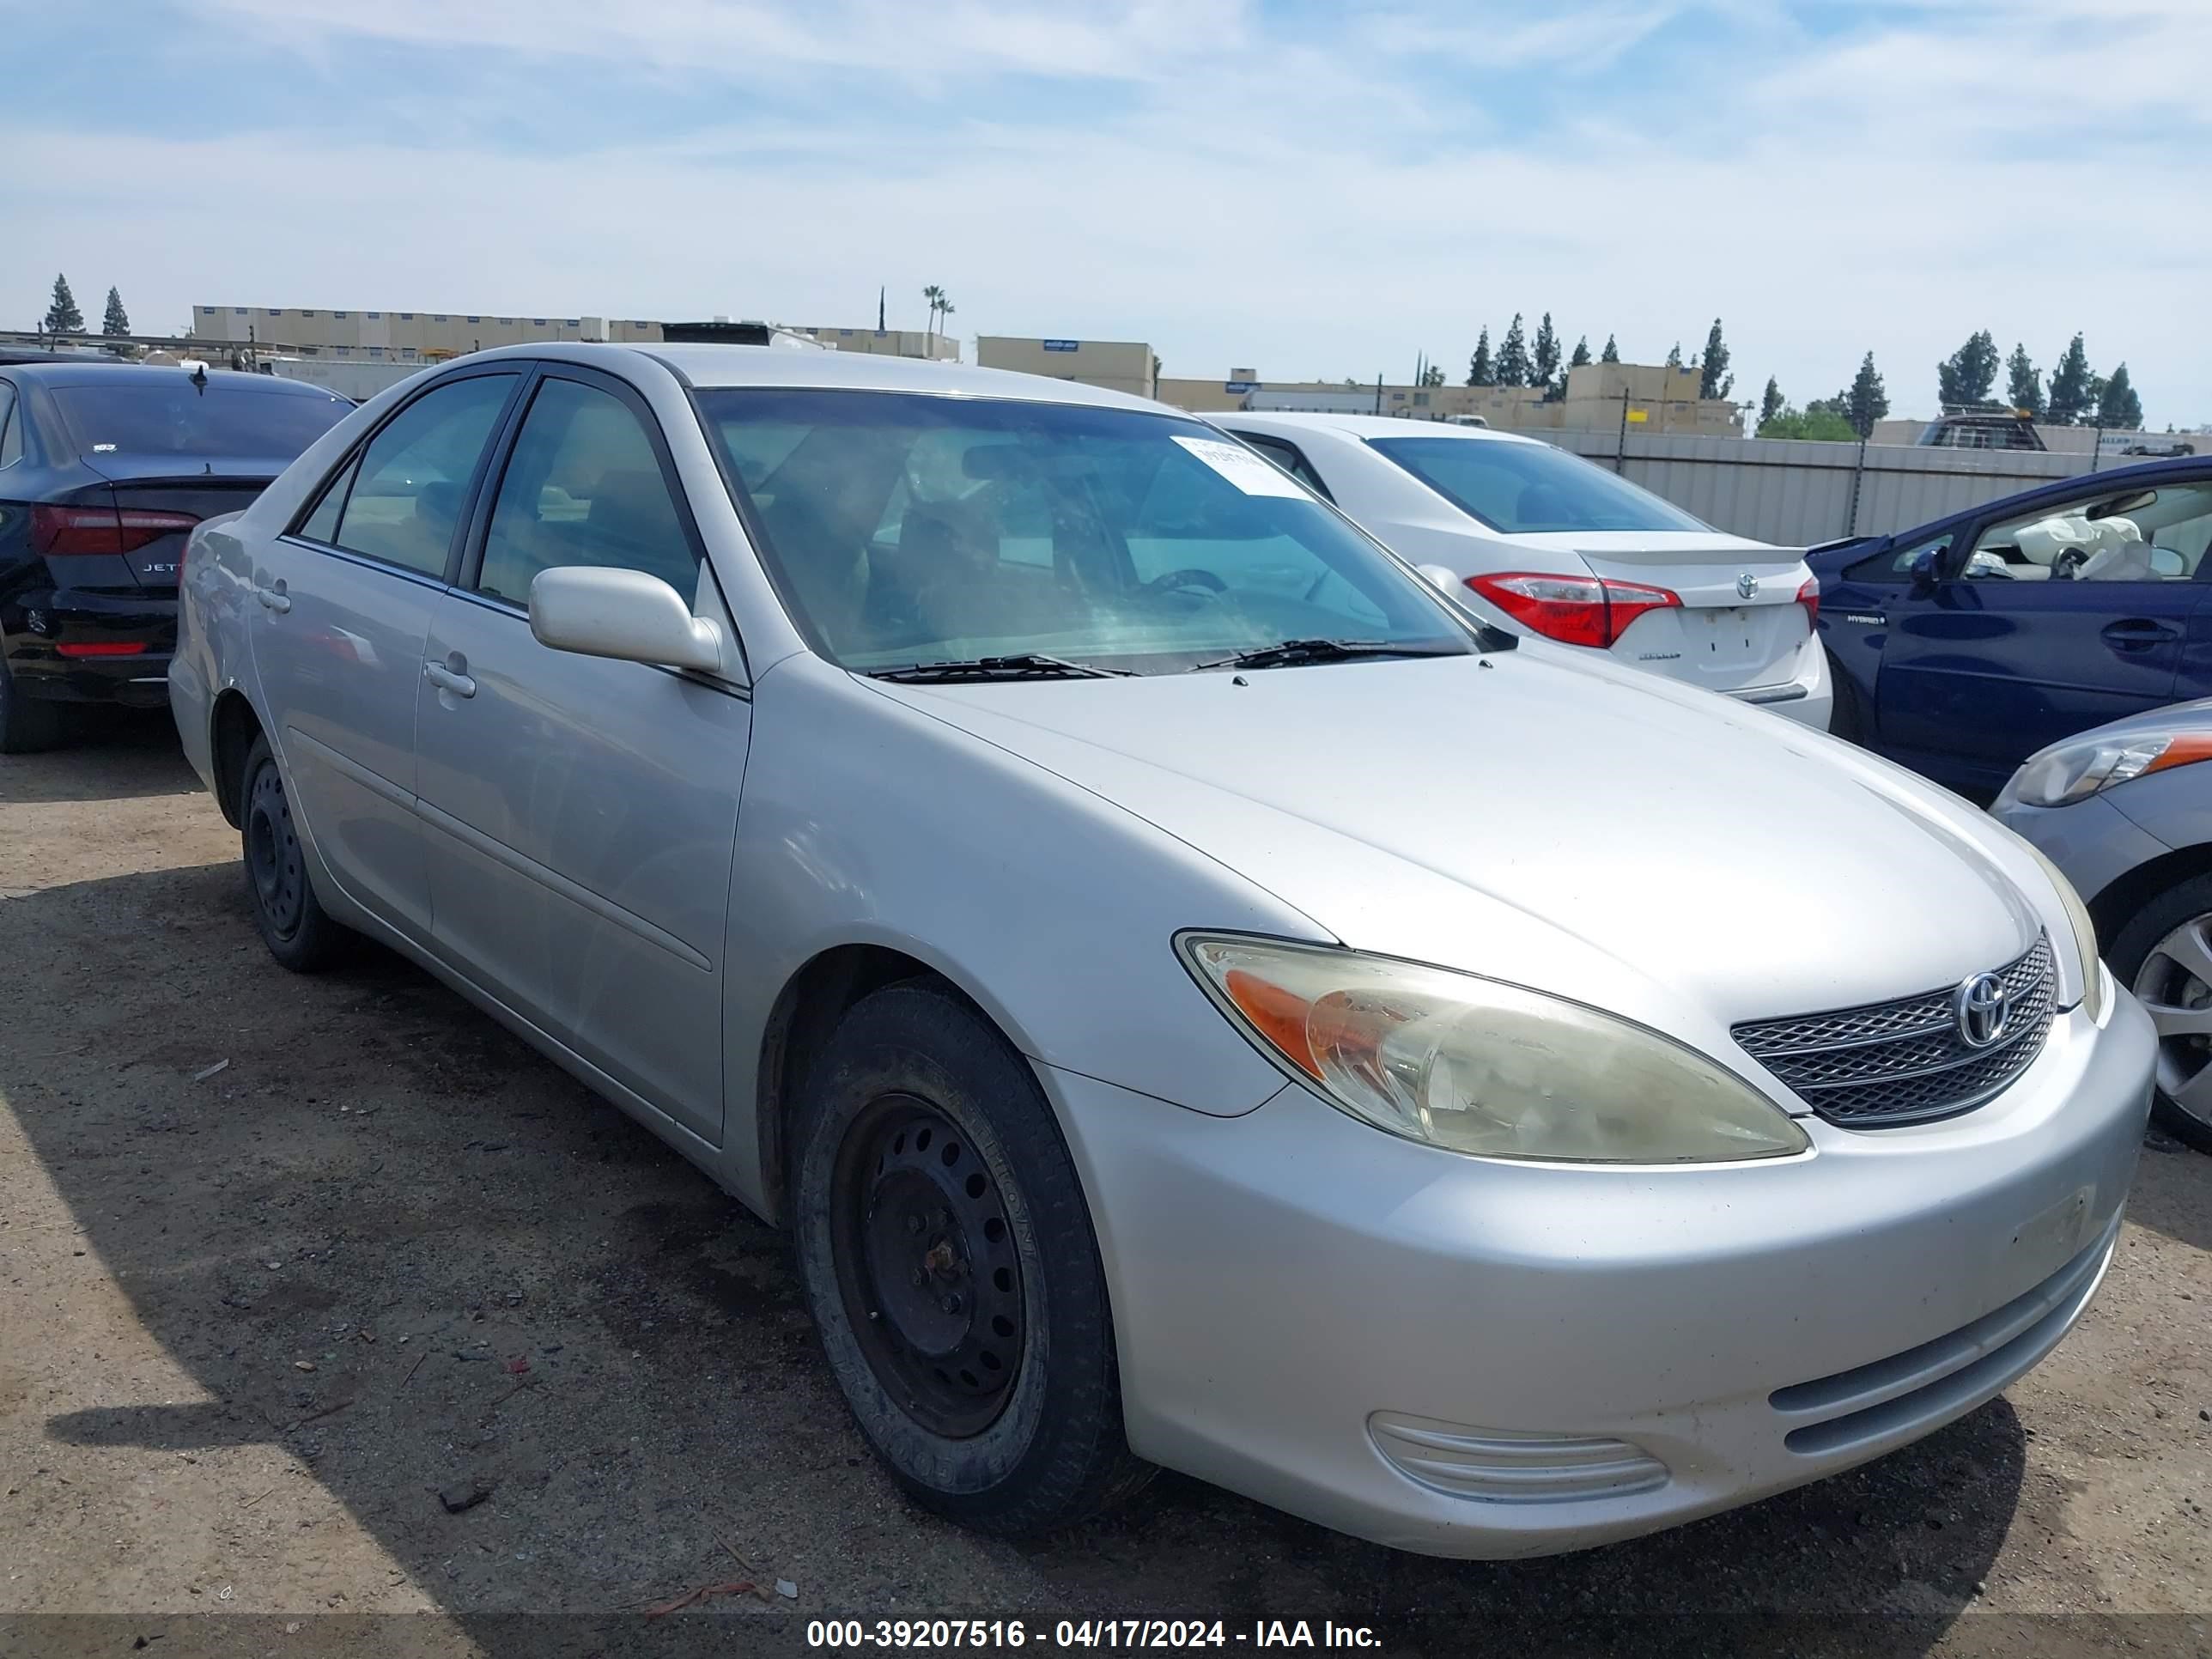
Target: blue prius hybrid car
column 1962, row 647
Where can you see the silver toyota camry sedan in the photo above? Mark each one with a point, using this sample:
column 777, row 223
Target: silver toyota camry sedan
column 1194, row 997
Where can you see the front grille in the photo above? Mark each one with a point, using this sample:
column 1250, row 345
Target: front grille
column 1904, row 1061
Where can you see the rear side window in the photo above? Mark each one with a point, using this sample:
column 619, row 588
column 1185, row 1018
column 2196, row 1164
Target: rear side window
column 322, row 524
column 11, row 442
column 222, row 418
column 584, row 487
column 1287, row 456
column 411, row 483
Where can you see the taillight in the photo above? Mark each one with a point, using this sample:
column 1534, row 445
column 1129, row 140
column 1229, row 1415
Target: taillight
column 1573, row 610
column 100, row 647
column 81, row 532
column 1809, row 597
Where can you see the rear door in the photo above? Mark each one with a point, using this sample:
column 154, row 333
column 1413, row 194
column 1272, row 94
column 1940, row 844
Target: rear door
column 580, row 813
column 345, row 602
column 2044, row 623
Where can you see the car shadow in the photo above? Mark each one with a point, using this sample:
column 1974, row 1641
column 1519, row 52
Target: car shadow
column 389, row 1241
column 112, row 754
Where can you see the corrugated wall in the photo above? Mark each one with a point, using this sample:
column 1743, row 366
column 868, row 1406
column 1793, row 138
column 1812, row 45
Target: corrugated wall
column 1797, row 494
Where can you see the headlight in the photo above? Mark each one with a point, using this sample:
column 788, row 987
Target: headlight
column 2091, row 971
column 1474, row 1065
column 2080, row 767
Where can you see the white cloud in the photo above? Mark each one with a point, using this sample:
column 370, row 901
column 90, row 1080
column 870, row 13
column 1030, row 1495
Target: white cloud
column 1248, row 193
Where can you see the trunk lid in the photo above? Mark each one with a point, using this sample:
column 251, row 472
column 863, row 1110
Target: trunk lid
column 147, row 488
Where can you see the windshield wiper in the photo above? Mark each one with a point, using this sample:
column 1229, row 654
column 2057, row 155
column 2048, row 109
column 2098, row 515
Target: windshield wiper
column 1290, row 652
column 1023, row 666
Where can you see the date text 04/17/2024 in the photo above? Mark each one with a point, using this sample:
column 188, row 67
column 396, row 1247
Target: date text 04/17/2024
column 936, row 1634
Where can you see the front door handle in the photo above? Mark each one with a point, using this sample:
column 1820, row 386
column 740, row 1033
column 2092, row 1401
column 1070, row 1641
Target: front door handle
column 274, row 598
column 2138, row 634
column 448, row 679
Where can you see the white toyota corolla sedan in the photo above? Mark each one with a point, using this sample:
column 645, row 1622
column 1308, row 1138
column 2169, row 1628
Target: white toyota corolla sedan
column 999, row 829
column 1569, row 551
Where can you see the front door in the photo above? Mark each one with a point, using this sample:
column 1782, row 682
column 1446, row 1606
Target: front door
column 343, row 606
column 2042, row 625
column 580, row 813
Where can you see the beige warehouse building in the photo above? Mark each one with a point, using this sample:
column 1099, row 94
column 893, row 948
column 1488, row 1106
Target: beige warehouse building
column 1652, row 397
column 1114, row 365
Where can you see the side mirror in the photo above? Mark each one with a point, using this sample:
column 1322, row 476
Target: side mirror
column 622, row 614
column 1441, row 577
column 1923, row 571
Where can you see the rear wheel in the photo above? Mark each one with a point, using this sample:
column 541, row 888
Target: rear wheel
column 2164, row 954
column 949, row 1260
column 27, row 723
column 293, row 924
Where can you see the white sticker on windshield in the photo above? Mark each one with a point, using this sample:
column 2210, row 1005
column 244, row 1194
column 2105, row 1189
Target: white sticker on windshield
column 1247, row 471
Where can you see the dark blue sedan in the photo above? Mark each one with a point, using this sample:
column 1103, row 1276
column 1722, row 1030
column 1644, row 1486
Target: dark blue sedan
column 1962, row 647
column 104, row 468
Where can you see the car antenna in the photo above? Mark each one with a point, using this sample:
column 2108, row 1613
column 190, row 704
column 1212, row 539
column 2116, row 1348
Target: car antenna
column 199, row 379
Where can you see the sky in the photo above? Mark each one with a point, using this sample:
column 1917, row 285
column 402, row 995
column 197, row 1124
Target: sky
column 1309, row 190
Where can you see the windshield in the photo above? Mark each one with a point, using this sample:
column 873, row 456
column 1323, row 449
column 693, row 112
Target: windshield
column 902, row 528
column 1531, row 488
column 147, row 417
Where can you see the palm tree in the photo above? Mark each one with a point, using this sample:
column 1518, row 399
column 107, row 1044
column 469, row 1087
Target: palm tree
column 938, row 307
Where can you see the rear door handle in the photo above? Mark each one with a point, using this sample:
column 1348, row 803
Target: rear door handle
column 2138, row 633
column 447, row 680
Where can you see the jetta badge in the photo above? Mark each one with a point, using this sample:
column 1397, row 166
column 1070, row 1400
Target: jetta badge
column 1746, row 585
column 1982, row 1007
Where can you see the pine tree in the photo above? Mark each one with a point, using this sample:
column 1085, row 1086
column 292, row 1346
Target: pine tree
column 1581, row 357
column 1718, row 382
column 2119, row 408
column 1481, row 371
column 1432, row 374
column 118, row 320
column 1547, row 354
column 1513, row 355
column 1674, row 355
column 1770, row 403
column 2023, row 385
column 2072, row 392
column 1964, row 378
column 1611, row 352
column 1867, row 401
column 61, row 316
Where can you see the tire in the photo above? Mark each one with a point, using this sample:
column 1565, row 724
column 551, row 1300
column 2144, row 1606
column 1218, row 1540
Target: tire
column 1845, row 720
column 293, row 924
column 2149, row 954
column 27, row 723
column 949, row 1261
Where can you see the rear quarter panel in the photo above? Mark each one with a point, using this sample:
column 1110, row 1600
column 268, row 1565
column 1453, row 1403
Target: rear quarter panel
column 214, row 651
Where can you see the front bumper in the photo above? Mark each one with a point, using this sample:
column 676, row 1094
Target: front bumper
column 1474, row 1358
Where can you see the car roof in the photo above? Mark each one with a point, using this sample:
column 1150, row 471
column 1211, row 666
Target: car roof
column 1367, row 426
column 52, row 375
column 718, row 365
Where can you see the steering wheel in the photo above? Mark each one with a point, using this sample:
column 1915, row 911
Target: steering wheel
column 1175, row 578
column 2068, row 564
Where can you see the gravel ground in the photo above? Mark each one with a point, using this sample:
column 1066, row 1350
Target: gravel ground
column 255, row 1321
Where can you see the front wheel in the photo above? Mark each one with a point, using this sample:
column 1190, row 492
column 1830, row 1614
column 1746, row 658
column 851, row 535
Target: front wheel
column 293, row 924
column 949, row 1260
column 2164, row 953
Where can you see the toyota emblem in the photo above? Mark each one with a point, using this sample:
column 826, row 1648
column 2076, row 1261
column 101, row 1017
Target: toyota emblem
column 1982, row 1007
column 1746, row 585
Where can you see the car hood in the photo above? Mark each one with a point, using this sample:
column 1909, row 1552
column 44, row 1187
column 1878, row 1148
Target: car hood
column 1586, row 830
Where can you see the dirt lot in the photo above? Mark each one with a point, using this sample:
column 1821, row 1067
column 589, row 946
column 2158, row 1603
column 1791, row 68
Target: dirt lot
column 253, row 1321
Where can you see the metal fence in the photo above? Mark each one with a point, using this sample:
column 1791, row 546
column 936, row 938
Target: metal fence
column 1795, row 493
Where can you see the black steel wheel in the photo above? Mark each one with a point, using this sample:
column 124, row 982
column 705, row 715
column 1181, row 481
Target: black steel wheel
column 949, row 1260
column 926, row 1265
column 293, row 924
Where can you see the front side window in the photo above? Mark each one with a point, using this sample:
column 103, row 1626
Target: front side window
column 583, row 487
column 906, row 529
column 1529, row 488
column 226, row 417
column 2137, row 535
column 1898, row 566
column 413, row 478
